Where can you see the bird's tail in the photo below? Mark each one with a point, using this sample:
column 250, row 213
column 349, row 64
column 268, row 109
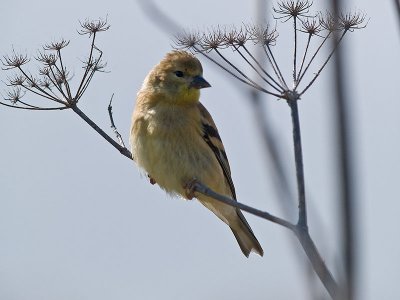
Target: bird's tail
column 245, row 236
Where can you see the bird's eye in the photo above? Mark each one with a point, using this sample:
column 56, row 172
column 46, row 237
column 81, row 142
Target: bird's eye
column 179, row 73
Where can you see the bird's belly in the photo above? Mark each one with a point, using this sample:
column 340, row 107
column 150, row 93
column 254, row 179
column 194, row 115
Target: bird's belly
column 172, row 159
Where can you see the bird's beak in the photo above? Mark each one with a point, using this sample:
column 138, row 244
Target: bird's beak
column 199, row 82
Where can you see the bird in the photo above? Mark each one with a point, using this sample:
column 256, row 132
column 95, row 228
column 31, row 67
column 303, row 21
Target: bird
column 176, row 142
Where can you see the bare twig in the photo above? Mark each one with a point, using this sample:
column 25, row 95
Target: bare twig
column 202, row 189
column 113, row 127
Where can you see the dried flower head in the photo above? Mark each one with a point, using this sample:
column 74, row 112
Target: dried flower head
column 292, row 9
column 352, row 21
column 57, row 46
column 15, row 95
column 14, row 61
column 16, row 80
column 328, row 22
column 235, row 37
column 93, row 26
column 46, row 83
column 96, row 66
column 33, row 82
column 47, row 59
column 213, row 40
column 230, row 37
column 62, row 77
column 311, row 26
column 187, row 40
column 44, row 71
column 263, row 35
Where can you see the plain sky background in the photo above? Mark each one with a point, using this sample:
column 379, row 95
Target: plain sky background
column 79, row 221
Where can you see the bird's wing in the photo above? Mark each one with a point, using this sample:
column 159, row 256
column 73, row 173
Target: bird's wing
column 213, row 140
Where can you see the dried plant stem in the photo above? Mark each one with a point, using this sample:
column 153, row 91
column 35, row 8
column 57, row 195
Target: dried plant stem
column 236, row 68
column 317, row 262
column 312, row 59
column 257, row 71
column 42, row 92
column 275, row 66
column 80, row 89
column 303, row 60
column 298, row 155
column 301, row 233
column 262, row 69
column 30, row 107
column 337, row 42
column 123, row 150
column 202, row 189
column 255, row 86
column 62, row 68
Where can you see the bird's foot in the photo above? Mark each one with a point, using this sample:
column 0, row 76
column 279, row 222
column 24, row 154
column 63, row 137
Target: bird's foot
column 152, row 181
column 190, row 188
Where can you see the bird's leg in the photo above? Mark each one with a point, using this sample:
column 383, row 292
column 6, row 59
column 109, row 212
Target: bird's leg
column 190, row 188
column 152, row 181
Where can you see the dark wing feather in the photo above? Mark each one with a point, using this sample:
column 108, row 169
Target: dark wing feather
column 213, row 140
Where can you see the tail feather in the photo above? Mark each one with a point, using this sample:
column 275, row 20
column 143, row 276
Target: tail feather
column 245, row 236
column 238, row 224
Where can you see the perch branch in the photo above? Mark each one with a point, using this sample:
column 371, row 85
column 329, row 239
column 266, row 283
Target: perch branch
column 300, row 232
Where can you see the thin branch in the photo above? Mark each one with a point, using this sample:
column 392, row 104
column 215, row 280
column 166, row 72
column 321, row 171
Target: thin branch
column 33, row 108
column 62, row 68
column 124, row 151
column 337, row 42
column 36, row 86
column 275, row 66
column 262, row 69
column 202, row 189
column 312, row 59
column 237, row 69
column 87, row 69
column 113, row 127
column 55, row 79
column 50, row 97
column 256, row 86
column 303, row 59
column 257, row 71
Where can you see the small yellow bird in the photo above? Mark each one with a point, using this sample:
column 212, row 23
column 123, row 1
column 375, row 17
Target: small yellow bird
column 175, row 140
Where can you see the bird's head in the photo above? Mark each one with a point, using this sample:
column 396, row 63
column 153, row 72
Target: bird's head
column 179, row 77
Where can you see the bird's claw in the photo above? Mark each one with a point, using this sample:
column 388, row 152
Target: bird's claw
column 152, row 181
column 190, row 188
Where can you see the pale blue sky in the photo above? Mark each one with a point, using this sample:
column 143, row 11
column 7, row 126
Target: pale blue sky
column 79, row 221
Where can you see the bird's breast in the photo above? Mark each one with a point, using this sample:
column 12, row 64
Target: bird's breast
column 168, row 145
